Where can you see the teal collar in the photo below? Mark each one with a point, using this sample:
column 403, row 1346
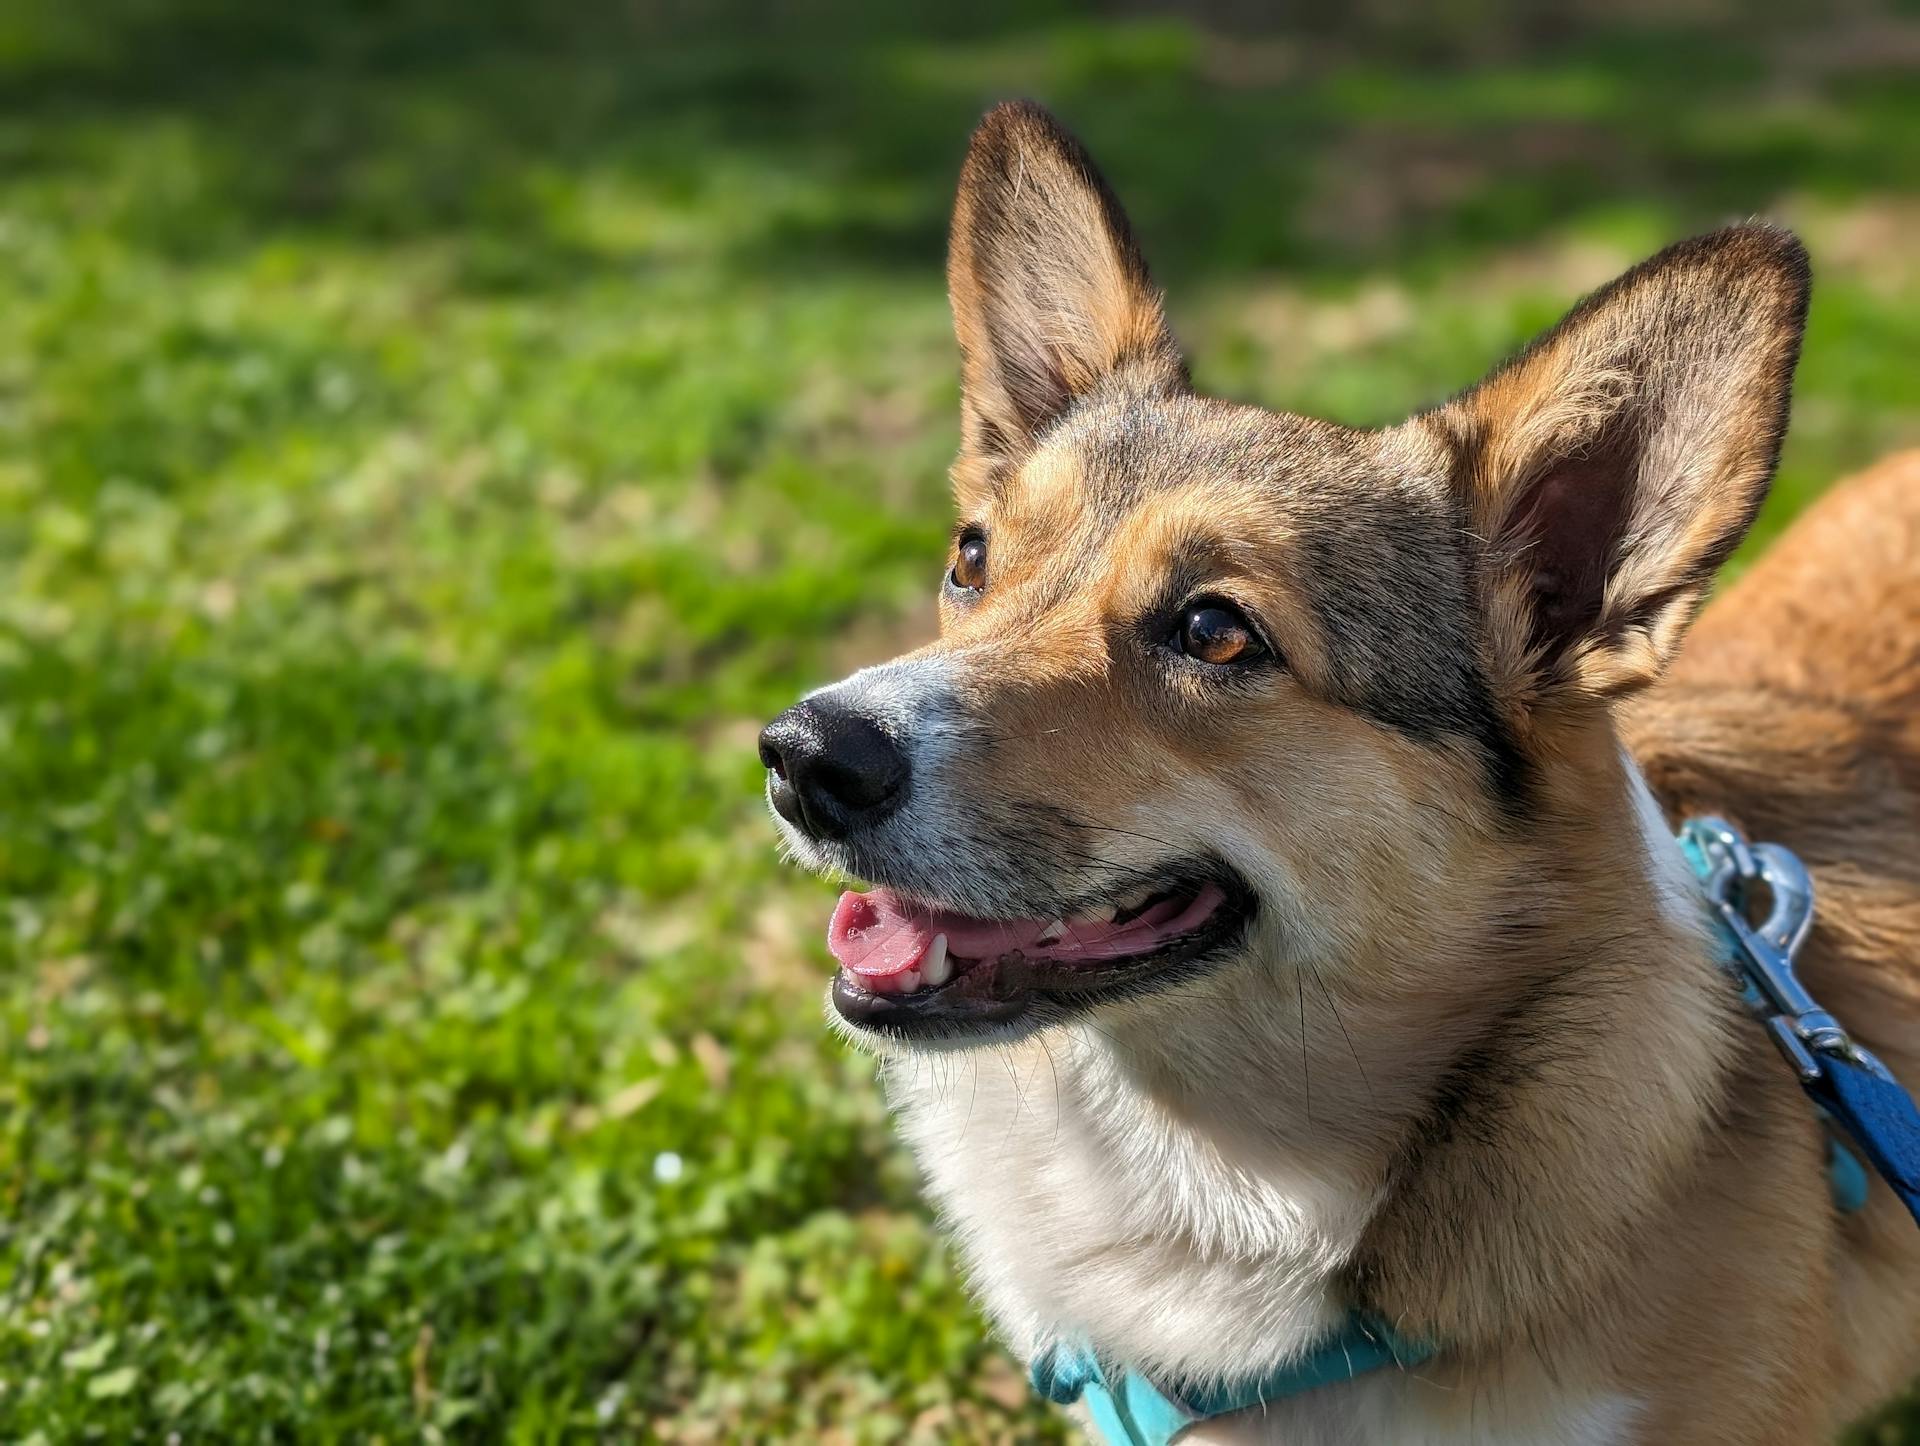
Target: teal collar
column 1131, row 1410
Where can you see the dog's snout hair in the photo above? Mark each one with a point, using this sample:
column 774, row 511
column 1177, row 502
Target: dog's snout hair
column 940, row 841
column 1021, row 796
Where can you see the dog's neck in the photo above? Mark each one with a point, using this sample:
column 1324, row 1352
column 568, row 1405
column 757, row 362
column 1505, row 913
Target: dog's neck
column 1583, row 1107
column 1445, row 1139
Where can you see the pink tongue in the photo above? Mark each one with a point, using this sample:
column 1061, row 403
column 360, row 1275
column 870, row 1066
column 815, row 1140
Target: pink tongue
column 876, row 935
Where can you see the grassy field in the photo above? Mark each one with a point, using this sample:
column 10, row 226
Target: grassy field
column 433, row 436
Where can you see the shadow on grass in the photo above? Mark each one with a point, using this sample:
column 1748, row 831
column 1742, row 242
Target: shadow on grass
column 550, row 144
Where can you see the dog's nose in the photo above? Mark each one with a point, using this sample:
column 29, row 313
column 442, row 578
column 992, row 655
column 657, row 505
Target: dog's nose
column 833, row 769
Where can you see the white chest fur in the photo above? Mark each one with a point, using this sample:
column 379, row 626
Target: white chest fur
column 1079, row 1206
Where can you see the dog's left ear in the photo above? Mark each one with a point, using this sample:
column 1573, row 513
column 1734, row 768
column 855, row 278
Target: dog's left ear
column 1612, row 466
column 1050, row 294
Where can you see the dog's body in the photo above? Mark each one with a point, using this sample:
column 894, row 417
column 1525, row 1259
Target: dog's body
column 1424, row 1016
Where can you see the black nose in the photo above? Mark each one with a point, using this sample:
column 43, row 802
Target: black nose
column 834, row 770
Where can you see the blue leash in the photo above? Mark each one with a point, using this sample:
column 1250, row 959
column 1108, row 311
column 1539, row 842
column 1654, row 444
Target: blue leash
column 1857, row 1093
column 1853, row 1089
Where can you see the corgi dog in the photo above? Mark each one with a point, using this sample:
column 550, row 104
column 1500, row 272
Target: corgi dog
column 1274, row 906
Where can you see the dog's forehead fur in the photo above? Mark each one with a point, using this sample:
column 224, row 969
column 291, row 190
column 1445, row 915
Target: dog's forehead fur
column 1360, row 528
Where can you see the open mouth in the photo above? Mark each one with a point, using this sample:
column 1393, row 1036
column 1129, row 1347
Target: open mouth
column 912, row 968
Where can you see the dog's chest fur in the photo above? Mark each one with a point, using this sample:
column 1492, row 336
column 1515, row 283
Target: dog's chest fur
column 1082, row 1206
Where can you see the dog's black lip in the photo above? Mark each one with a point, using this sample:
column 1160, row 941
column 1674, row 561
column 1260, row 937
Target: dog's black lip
column 1035, row 995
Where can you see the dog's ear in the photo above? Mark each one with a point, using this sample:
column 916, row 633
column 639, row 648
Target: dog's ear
column 1611, row 467
column 1050, row 294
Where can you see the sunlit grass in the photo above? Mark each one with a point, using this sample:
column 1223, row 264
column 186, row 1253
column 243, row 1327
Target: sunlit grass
column 429, row 441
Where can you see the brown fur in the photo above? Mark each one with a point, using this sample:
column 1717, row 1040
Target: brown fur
column 1042, row 317
column 1563, row 1150
column 1795, row 711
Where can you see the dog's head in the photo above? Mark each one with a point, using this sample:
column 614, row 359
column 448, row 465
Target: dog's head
column 1218, row 685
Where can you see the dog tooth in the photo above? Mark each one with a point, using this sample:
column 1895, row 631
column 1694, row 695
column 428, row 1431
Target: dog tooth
column 936, row 968
column 1051, row 934
column 908, row 981
column 1099, row 913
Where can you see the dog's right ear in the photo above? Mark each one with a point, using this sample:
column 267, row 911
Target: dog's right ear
column 1610, row 468
column 1050, row 294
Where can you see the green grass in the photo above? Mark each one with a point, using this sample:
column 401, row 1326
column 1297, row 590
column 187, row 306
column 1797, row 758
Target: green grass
column 433, row 436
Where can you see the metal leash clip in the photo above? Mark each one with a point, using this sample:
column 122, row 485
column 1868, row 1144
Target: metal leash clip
column 1800, row 1029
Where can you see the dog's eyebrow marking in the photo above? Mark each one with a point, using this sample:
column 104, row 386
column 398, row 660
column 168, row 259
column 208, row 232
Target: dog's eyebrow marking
column 1195, row 562
column 1047, row 477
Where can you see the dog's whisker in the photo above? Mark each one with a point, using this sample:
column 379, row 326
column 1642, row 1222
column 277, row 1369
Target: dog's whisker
column 973, row 1096
column 1334, row 1009
column 1053, row 1069
column 1018, row 737
column 1306, row 1056
column 1006, row 1058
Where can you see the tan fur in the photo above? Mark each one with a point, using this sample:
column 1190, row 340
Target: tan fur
column 1050, row 296
column 1795, row 710
column 1472, row 1065
column 1633, row 367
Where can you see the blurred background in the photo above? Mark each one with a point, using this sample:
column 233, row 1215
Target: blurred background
column 435, row 434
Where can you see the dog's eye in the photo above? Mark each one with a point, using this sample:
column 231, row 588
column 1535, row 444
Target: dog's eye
column 1214, row 632
column 969, row 564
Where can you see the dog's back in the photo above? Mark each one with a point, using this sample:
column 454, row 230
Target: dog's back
column 1832, row 612
column 1794, row 708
